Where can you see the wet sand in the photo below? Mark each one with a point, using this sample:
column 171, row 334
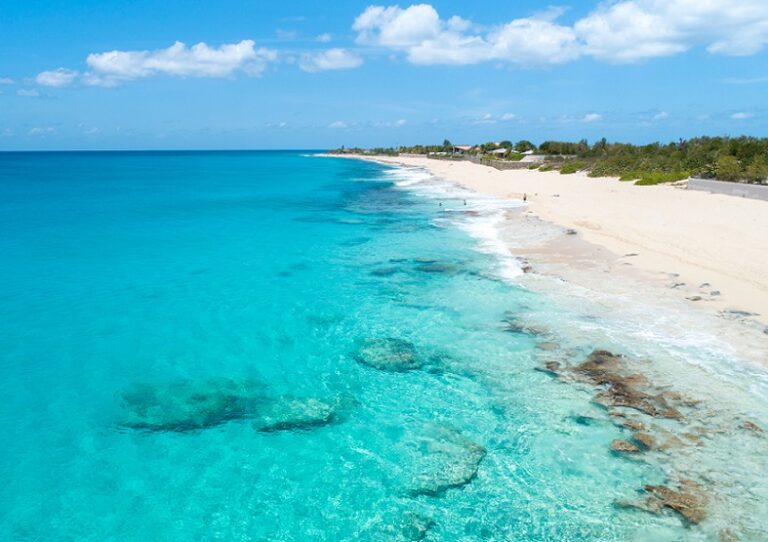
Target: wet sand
column 711, row 249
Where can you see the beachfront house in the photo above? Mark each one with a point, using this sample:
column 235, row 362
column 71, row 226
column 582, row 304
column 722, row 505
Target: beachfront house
column 461, row 149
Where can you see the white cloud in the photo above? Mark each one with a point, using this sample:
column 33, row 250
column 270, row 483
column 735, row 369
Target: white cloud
column 324, row 38
column 637, row 29
column 396, row 124
column 741, row 116
column 27, row 92
column 419, row 31
column 60, row 77
column 489, row 118
column 41, row 130
column 534, row 41
column 330, row 59
column 339, row 124
column 6, row 81
column 286, row 34
column 618, row 31
column 661, row 115
column 200, row 60
column 592, row 117
column 485, row 119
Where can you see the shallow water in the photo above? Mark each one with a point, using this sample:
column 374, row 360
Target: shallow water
column 234, row 288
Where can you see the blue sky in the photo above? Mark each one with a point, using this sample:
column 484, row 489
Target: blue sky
column 87, row 74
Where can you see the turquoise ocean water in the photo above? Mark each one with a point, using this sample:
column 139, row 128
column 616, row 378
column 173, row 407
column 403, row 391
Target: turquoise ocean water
column 189, row 345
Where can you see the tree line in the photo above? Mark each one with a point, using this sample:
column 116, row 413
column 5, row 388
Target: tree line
column 742, row 159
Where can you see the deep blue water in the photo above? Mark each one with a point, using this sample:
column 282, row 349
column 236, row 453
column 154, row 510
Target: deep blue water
column 129, row 278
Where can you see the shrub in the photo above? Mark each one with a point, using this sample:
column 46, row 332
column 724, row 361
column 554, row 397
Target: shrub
column 572, row 167
column 757, row 171
column 651, row 178
column 728, row 168
column 524, row 145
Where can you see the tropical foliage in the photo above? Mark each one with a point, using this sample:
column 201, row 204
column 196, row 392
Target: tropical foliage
column 739, row 159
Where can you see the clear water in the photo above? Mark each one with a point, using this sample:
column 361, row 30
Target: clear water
column 156, row 269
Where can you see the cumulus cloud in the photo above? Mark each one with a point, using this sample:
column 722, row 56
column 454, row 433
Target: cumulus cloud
column 661, row 115
column 60, row 77
column 489, row 118
column 324, row 38
column 330, row 59
column 27, row 92
column 200, row 60
column 419, row 31
column 741, row 116
column 339, row 124
column 618, row 31
column 484, row 119
column 592, row 117
column 6, row 81
column 638, row 29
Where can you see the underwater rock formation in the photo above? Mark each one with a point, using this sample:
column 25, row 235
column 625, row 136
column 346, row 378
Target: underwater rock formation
column 293, row 414
column 646, row 441
column 415, row 527
column 552, row 368
column 385, row 271
column 624, row 446
column 400, row 526
column 602, row 368
column 448, row 460
column 515, row 325
column 687, row 500
column 388, row 354
column 189, row 405
column 437, row 267
column 751, row 426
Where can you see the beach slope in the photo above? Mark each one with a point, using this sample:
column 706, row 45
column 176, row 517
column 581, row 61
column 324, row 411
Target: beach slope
column 704, row 243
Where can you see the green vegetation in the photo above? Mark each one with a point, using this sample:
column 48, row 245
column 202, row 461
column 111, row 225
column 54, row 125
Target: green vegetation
column 757, row 171
column 524, row 146
column 737, row 159
column 564, row 148
column 658, row 177
column 573, row 166
column 727, row 159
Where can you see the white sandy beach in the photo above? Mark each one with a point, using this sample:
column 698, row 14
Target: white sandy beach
column 714, row 248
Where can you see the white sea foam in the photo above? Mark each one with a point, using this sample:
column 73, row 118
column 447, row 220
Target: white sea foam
column 481, row 217
column 484, row 218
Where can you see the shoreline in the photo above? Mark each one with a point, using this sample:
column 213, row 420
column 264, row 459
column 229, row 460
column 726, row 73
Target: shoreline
column 709, row 248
